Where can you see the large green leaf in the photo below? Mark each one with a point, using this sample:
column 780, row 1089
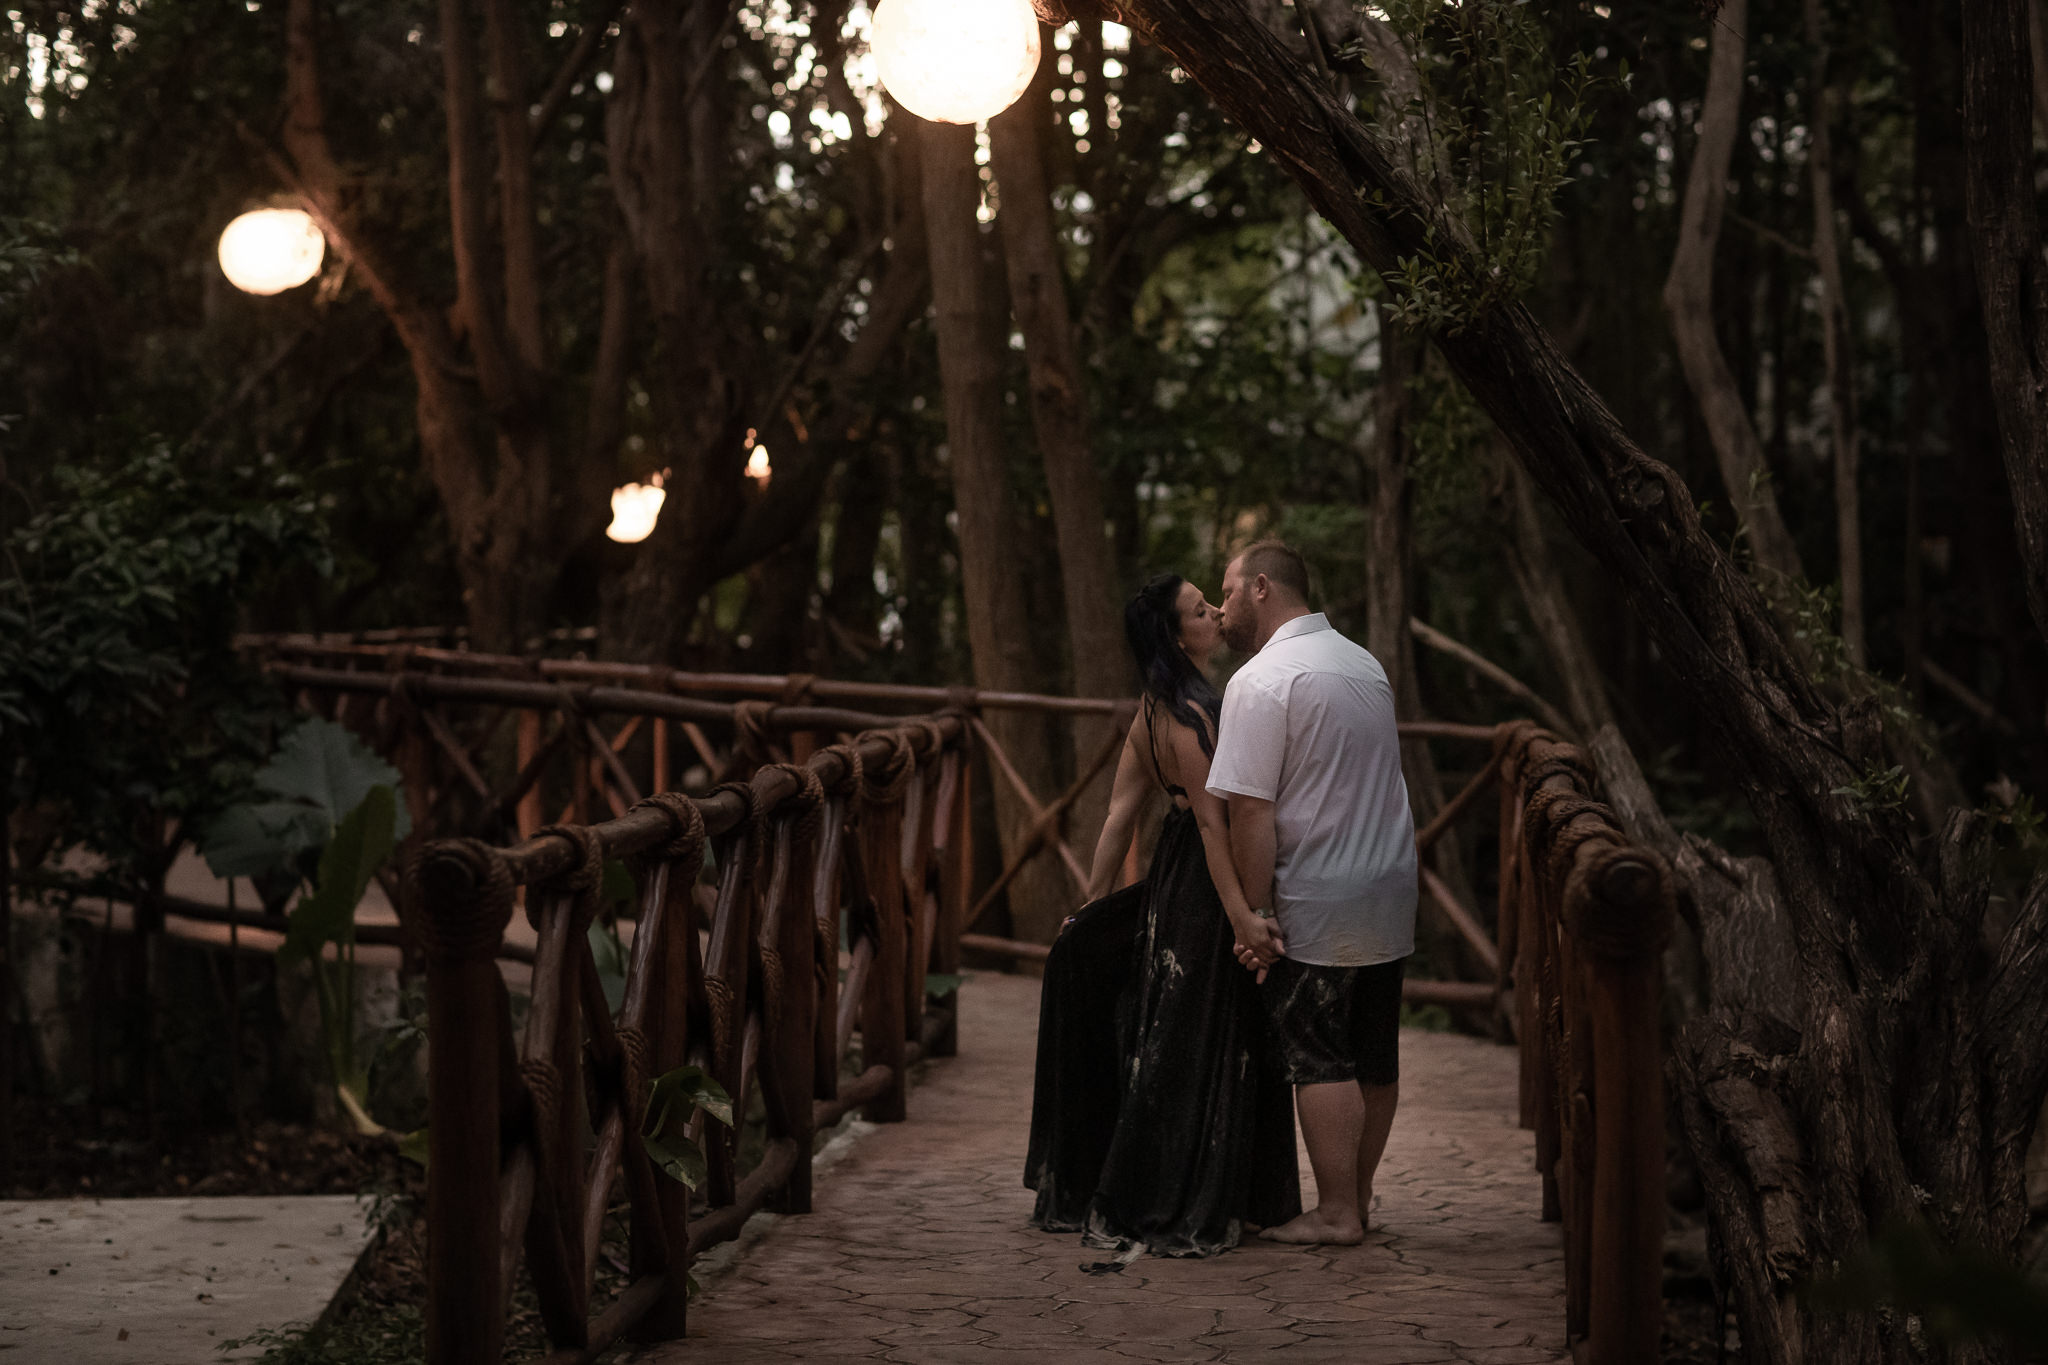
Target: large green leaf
column 675, row 1095
column 361, row 843
column 678, row 1158
column 251, row 840
column 671, row 1100
column 610, row 956
column 324, row 765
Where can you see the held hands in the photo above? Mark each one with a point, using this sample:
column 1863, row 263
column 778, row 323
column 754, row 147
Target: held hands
column 1258, row 944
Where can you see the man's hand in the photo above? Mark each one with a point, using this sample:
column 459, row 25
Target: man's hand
column 1258, row 945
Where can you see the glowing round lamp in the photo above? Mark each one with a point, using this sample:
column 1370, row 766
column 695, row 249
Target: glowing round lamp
column 635, row 509
column 758, row 468
column 955, row 61
column 271, row 250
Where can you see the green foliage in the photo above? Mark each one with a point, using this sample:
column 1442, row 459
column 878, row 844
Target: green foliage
column 122, row 702
column 28, row 251
column 1491, row 136
column 941, row 984
column 610, row 956
column 326, row 813
column 319, row 773
column 1876, row 790
column 673, row 1099
column 1958, row 1294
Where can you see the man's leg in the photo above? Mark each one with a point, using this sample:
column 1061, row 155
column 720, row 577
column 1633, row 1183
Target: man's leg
column 1335, row 1129
column 1377, row 1120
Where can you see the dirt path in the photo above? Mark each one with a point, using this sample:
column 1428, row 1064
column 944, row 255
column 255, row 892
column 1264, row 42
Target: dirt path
column 918, row 1250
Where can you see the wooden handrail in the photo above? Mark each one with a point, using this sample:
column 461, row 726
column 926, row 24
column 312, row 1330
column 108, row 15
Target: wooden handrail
column 1571, row 959
column 784, row 851
column 1591, row 914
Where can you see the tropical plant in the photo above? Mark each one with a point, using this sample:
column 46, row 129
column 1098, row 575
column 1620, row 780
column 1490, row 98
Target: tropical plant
column 325, row 816
column 673, row 1102
column 125, row 714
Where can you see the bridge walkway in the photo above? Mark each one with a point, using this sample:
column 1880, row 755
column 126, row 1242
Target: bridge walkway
column 918, row 1250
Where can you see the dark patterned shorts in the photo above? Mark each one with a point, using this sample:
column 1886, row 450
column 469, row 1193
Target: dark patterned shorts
column 1335, row 1023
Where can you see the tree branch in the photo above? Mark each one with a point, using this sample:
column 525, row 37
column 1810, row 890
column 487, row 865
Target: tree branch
column 1507, row 682
column 506, row 89
column 467, row 216
column 588, row 42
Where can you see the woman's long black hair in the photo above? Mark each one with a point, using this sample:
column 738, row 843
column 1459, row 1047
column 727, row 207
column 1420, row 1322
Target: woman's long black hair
column 1168, row 675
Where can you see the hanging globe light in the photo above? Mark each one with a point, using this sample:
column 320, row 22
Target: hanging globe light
column 955, row 61
column 635, row 509
column 268, row 251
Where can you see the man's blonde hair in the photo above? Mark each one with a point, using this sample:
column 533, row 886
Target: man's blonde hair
column 1280, row 562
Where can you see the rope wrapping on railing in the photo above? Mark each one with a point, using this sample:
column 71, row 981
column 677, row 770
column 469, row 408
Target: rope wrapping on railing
column 544, row 1086
column 633, row 1051
column 752, row 828
column 471, row 897
column 579, row 884
column 880, row 787
column 685, row 849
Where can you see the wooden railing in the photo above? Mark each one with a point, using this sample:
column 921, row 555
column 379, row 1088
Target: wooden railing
column 1571, row 965
column 1584, row 918
column 870, row 835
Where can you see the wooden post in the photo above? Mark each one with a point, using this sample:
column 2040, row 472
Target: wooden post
column 531, row 814
column 1507, row 919
column 465, row 895
column 825, row 913
column 956, row 864
column 661, row 757
column 952, row 832
column 792, row 1030
column 920, row 803
column 1623, row 922
column 667, row 1025
column 882, row 1034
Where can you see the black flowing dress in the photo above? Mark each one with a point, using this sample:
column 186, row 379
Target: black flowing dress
column 1158, row 1119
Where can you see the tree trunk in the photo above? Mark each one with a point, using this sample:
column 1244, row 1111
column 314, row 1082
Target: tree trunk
column 666, row 133
column 853, row 608
column 483, row 439
column 1689, row 295
column 1550, row 607
column 1911, row 1078
column 970, row 326
column 1944, row 316
column 1836, row 345
column 1059, row 414
column 2012, row 281
column 1390, row 603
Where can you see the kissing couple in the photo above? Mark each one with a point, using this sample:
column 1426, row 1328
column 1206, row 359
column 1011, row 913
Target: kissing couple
column 1260, row 959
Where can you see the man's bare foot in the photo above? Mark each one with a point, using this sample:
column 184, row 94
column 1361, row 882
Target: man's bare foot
column 1317, row 1227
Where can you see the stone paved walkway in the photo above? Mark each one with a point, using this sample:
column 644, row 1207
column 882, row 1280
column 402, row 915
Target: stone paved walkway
column 918, row 1250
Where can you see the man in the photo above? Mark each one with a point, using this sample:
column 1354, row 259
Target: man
column 1320, row 831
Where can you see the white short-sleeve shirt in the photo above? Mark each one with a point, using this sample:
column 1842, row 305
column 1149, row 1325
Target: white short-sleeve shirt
column 1308, row 724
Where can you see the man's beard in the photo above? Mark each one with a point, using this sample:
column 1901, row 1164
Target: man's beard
column 1241, row 636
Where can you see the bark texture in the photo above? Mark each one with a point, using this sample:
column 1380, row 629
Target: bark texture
column 1059, row 415
column 1910, row 1076
column 2012, row 280
column 1836, row 348
column 1390, row 605
column 1689, row 295
column 1550, row 607
column 970, row 323
column 512, row 494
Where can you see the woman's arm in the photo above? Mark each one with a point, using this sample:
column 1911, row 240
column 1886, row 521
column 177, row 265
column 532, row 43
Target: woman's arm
column 1126, row 797
column 1212, row 818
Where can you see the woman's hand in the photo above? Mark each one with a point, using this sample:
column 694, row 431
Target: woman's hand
column 1258, row 944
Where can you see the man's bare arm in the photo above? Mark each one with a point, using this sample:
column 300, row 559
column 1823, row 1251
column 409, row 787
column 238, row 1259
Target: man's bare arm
column 1254, row 845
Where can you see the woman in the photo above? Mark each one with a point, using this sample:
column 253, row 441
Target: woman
column 1157, row 1122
